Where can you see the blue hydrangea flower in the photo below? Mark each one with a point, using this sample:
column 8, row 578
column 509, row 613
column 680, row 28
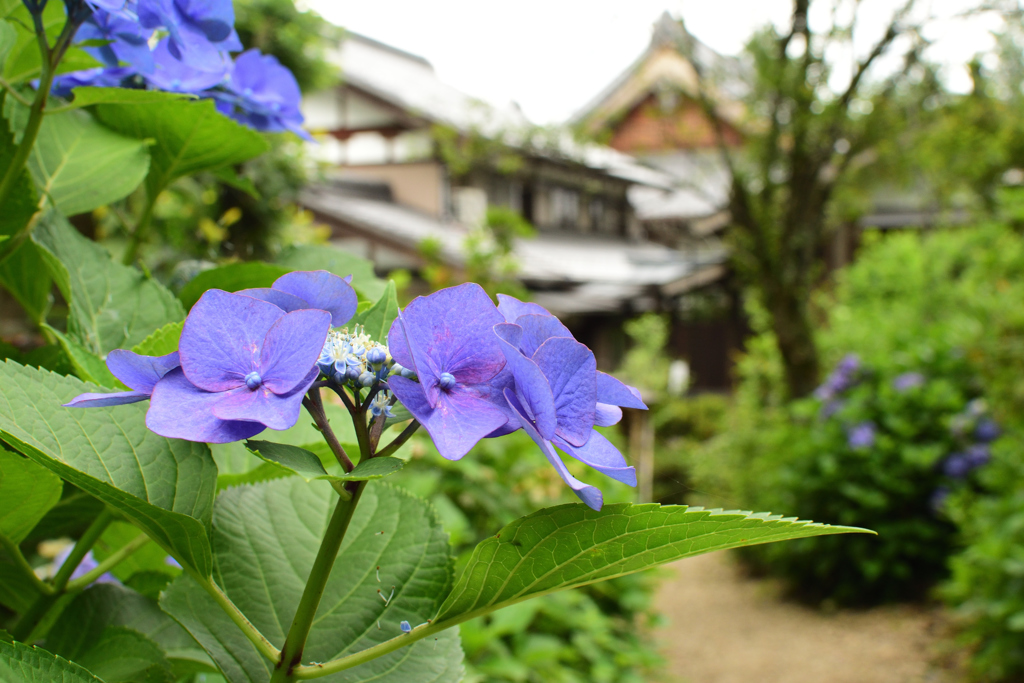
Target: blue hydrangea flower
column 908, row 381
column 318, row 289
column 978, row 455
column 861, row 436
column 447, row 339
column 199, row 31
column 956, row 465
column 173, row 75
column 245, row 366
column 262, row 94
column 129, row 41
column 840, row 380
column 137, row 372
column 987, row 430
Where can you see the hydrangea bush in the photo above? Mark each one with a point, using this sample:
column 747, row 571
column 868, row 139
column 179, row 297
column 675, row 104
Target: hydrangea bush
column 216, row 529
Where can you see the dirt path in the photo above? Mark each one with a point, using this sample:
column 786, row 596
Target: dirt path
column 724, row 628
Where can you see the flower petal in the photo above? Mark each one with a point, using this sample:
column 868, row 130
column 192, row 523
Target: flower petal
column 262, row 406
column 600, row 454
column 537, row 329
column 138, row 372
column 614, row 392
column 457, row 422
column 591, row 495
column 180, row 410
column 570, row 369
column 283, row 300
column 291, row 347
column 119, row 398
column 606, row 415
column 408, row 354
column 221, row 341
column 531, row 386
column 323, row 290
column 511, row 308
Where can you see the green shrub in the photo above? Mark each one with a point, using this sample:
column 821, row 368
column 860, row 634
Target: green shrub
column 595, row 633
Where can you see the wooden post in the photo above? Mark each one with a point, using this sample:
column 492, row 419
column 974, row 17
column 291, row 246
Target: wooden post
column 641, row 450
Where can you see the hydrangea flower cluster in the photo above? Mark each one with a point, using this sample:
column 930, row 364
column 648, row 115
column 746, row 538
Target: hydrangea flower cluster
column 463, row 367
column 977, row 430
column 185, row 46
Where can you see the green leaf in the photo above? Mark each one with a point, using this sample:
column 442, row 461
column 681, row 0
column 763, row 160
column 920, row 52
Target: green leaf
column 149, row 558
column 87, row 96
column 228, row 176
column 230, row 278
column 307, row 464
column 121, row 655
column 112, row 306
column 87, row 365
column 81, row 165
column 190, row 136
column 69, row 517
column 23, row 664
column 8, row 38
column 571, row 545
column 27, row 492
column 162, row 341
column 265, row 539
column 163, row 486
column 377, row 320
column 106, row 607
column 17, row 591
column 341, row 263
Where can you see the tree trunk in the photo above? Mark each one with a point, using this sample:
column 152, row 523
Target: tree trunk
column 795, row 338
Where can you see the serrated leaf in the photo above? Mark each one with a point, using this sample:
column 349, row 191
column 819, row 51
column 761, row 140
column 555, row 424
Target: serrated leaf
column 23, row 664
column 572, row 545
column 112, row 306
column 105, row 606
column 377, row 319
column 307, row 464
column 190, row 136
column 163, row 486
column 162, row 341
column 265, row 539
column 121, row 655
column 334, row 260
column 76, row 163
column 27, row 492
column 88, row 366
column 230, row 278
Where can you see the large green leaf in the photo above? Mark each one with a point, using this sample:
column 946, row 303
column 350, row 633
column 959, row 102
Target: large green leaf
column 164, row 486
column 190, row 136
column 161, row 342
column 27, row 492
column 109, row 609
column 87, row 96
column 80, row 165
column 265, row 539
column 87, row 365
column 112, row 306
column 307, row 464
column 230, row 278
column 23, row 664
column 377, row 319
column 572, row 545
column 341, row 263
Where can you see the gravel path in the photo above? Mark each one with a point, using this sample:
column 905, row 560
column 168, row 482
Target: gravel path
column 725, row 628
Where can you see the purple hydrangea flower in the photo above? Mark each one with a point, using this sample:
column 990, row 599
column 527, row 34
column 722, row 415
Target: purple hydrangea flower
column 841, row 378
column 447, row 339
column 956, row 465
column 173, row 75
column 262, row 94
column 199, row 31
column 318, row 289
column 987, row 430
column 122, row 8
column 861, row 436
column 129, row 41
column 978, row 455
column 830, row 408
column 139, row 373
column 908, row 381
column 245, row 366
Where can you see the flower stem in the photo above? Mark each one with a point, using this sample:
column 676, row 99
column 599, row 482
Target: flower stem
column 42, row 605
column 399, row 440
column 106, row 565
column 315, row 406
column 264, row 646
column 291, row 654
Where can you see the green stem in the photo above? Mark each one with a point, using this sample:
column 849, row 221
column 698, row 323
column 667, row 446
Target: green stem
column 315, row 406
column 42, row 605
column 115, row 558
column 141, row 229
column 369, row 654
column 399, row 440
column 19, row 560
column 264, row 646
column 291, row 654
column 14, row 93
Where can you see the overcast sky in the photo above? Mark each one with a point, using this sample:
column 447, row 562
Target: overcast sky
column 552, row 56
